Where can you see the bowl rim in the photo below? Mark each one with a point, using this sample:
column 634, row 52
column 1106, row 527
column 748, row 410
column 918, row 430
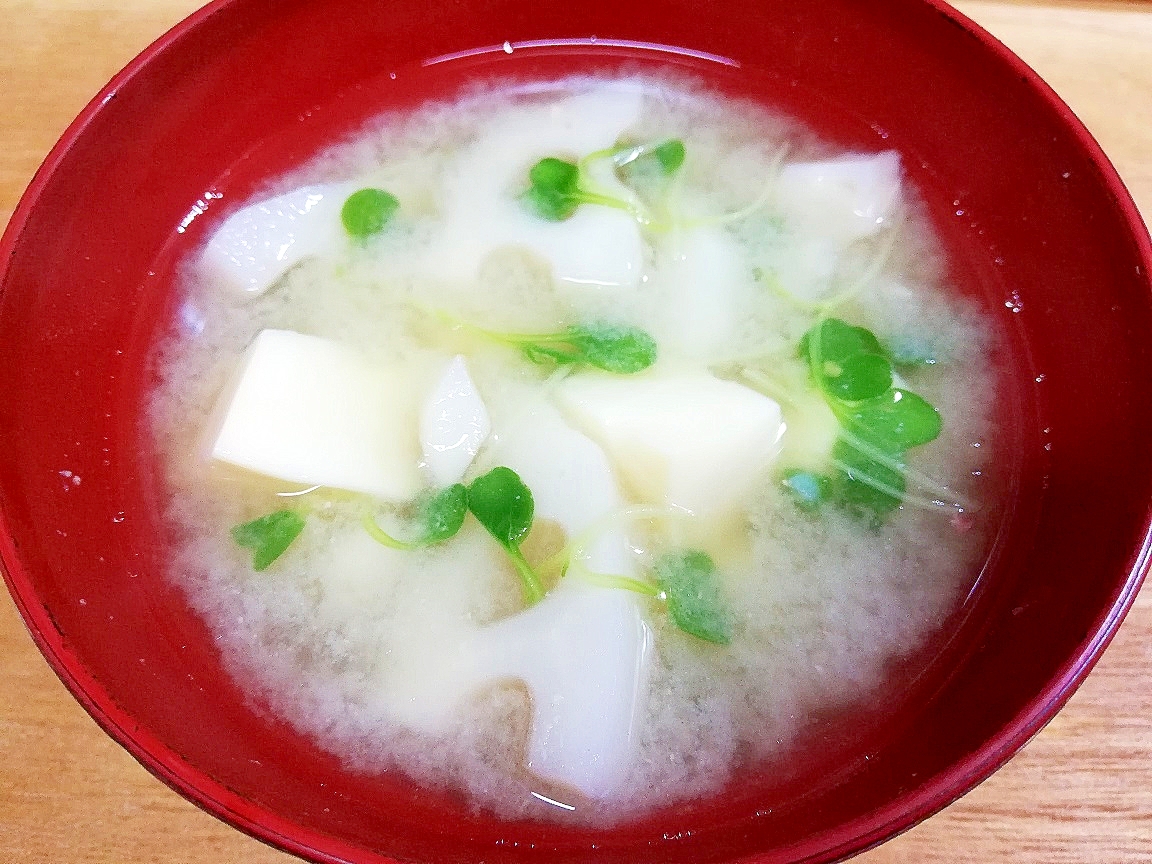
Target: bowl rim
column 835, row 844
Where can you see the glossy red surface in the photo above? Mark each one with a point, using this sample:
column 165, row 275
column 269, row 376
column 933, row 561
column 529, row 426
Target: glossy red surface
column 1031, row 213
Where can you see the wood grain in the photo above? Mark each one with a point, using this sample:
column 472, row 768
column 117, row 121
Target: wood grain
column 1080, row 793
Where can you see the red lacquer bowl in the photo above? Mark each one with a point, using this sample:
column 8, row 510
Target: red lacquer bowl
column 1033, row 217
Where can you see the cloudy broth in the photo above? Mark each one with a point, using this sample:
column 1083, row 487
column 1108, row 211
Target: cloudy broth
column 827, row 590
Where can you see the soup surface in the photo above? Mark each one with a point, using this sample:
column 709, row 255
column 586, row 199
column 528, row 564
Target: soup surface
column 574, row 444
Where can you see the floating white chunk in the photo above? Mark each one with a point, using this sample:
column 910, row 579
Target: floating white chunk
column 804, row 266
column 432, row 663
column 257, row 245
column 571, row 480
column 845, row 199
column 309, row 410
column 688, row 440
column 584, row 652
column 482, row 211
column 453, row 424
column 707, row 295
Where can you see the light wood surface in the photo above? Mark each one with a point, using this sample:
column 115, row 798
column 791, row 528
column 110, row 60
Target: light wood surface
column 1080, row 793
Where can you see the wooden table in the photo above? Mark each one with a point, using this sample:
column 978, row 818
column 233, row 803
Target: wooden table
column 1080, row 793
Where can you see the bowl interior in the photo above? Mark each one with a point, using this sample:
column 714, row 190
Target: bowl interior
column 1035, row 224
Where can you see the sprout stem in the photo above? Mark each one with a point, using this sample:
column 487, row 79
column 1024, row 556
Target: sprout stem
column 530, row 582
column 381, row 536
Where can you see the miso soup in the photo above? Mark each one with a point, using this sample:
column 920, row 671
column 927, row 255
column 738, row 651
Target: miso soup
column 572, row 445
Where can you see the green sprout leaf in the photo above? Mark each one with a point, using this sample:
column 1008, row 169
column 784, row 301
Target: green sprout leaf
column 554, row 193
column 617, row 348
column 838, row 341
column 503, row 505
column 437, row 516
column 612, row 347
column 895, row 421
column 645, row 163
column 442, row 513
column 557, row 188
column 848, row 362
column 367, row 211
column 861, row 376
column 689, row 581
column 880, row 422
column 670, row 155
column 855, row 374
column 865, row 485
column 268, row 536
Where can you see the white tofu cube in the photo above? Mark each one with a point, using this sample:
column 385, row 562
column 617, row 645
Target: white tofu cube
column 257, row 245
column 310, row 410
column 453, row 424
column 687, row 440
